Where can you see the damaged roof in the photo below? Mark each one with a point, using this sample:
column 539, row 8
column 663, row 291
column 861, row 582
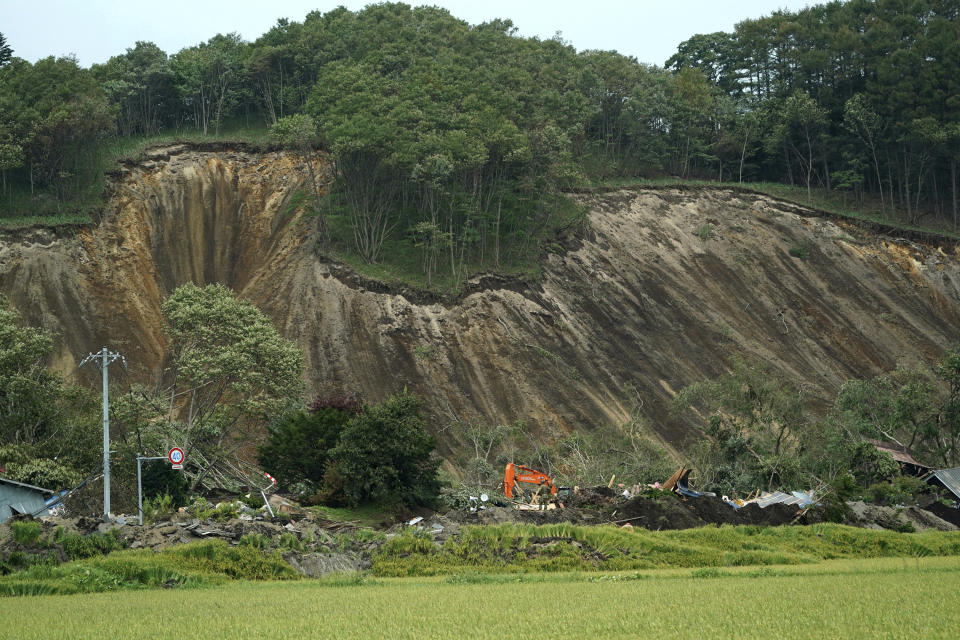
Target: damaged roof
column 24, row 485
column 950, row 478
column 897, row 452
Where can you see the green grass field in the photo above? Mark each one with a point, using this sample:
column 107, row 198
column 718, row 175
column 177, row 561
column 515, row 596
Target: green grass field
column 888, row 598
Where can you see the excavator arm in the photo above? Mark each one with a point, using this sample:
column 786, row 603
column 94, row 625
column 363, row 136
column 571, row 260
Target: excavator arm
column 515, row 473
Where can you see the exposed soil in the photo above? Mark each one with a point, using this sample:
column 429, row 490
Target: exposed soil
column 946, row 513
column 600, row 505
column 654, row 294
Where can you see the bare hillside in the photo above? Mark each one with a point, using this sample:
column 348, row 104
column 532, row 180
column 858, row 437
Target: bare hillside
column 658, row 291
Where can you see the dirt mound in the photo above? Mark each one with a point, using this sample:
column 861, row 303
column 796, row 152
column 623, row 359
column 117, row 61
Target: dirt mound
column 945, row 513
column 873, row 516
column 503, row 515
column 671, row 512
column 715, row 511
column 666, row 512
column 593, row 498
column 774, row 515
column 654, row 510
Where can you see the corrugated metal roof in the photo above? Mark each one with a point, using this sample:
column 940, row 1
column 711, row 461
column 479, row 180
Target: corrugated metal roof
column 22, row 484
column 898, row 453
column 950, row 479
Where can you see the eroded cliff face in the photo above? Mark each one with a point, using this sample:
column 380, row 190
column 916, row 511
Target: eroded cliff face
column 660, row 290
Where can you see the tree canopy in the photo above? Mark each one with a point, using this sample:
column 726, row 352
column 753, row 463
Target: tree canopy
column 47, row 429
column 229, row 372
column 456, row 138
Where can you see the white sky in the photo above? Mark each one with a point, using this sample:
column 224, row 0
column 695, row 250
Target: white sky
column 94, row 30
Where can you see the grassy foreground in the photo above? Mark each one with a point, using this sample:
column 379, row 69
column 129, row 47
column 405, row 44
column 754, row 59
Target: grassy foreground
column 889, row 598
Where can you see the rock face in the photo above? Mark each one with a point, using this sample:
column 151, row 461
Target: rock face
column 657, row 292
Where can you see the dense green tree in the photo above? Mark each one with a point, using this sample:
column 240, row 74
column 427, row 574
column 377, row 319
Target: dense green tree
column 896, row 61
column 141, row 84
column 299, row 133
column 801, row 131
column 230, row 371
column 30, row 394
column 860, row 119
column 384, row 455
column 755, row 419
column 917, row 409
column 209, row 78
column 47, row 432
column 692, row 105
column 6, row 53
column 298, row 445
column 55, row 113
column 460, row 137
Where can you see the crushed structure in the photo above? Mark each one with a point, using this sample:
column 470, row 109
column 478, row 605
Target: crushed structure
column 24, row 499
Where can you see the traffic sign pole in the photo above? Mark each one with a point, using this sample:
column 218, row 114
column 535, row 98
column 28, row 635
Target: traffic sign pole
column 175, row 456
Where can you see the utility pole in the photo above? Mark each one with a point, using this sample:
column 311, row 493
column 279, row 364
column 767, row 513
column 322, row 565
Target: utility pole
column 104, row 358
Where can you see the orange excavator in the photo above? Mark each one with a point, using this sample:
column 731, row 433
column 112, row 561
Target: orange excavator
column 515, row 473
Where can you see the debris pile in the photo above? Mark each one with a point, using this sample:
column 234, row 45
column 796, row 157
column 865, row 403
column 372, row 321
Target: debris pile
column 674, row 505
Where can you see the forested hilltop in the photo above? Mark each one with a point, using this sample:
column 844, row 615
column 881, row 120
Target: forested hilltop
column 453, row 142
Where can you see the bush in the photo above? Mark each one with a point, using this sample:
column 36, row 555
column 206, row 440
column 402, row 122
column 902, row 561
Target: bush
column 801, row 251
column 156, row 508
column 25, row 532
column 297, row 447
column 872, row 465
column 161, row 481
column 78, row 547
column 901, row 490
column 385, row 455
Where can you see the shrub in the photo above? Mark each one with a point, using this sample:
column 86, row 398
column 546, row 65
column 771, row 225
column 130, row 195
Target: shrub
column 255, row 540
column 161, row 481
column 297, row 447
column 291, row 542
column 901, row 490
column 801, row 251
column 25, row 532
column 201, row 509
column 78, row 547
column 157, row 507
column 385, row 455
column 872, row 465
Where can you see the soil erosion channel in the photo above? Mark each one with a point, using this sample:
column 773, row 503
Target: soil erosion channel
column 659, row 290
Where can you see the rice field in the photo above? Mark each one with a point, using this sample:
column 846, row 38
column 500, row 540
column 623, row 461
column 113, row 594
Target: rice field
column 884, row 597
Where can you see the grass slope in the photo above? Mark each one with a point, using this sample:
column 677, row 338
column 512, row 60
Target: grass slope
column 477, row 554
column 565, row 547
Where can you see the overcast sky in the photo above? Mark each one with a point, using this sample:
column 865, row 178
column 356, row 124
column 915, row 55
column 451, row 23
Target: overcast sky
column 94, row 30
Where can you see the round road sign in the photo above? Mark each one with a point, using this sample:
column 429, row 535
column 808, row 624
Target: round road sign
column 176, row 455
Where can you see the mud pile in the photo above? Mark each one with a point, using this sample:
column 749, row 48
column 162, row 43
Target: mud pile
column 662, row 511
